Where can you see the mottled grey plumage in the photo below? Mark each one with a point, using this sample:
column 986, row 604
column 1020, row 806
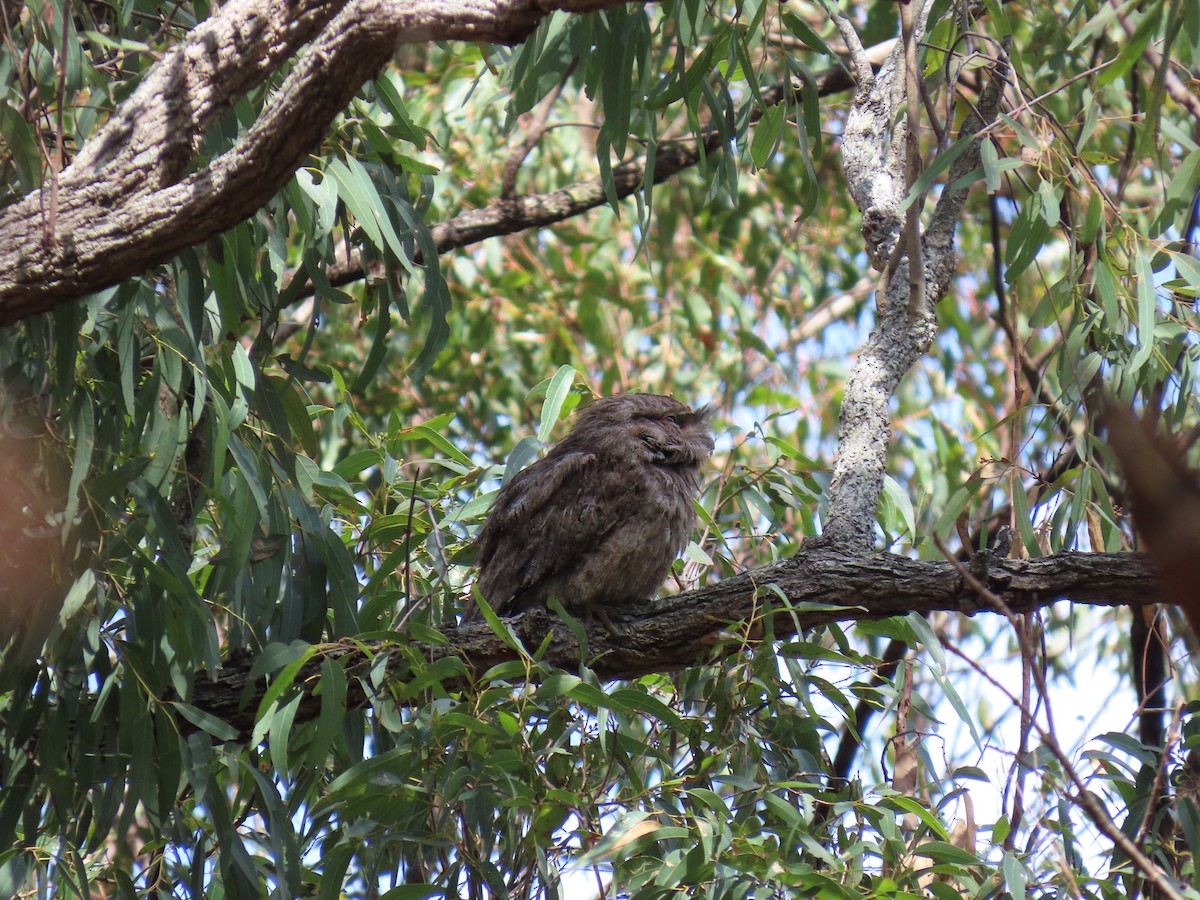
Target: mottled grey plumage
column 598, row 521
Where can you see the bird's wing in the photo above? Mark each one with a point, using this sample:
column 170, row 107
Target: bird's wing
column 548, row 517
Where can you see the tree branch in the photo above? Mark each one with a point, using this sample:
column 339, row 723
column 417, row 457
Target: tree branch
column 874, row 155
column 129, row 201
column 505, row 215
column 821, row 584
column 111, row 223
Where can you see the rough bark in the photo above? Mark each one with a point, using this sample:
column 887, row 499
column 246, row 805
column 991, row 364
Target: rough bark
column 106, row 224
column 880, row 175
column 820, row 585
column 135, row 195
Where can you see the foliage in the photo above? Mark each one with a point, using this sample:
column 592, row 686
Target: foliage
column 234, row 454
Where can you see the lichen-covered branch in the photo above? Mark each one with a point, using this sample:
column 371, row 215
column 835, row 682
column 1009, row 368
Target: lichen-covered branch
column 875, row 154
column 940, row 258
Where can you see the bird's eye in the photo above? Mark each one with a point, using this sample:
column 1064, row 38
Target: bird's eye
column 672, row 420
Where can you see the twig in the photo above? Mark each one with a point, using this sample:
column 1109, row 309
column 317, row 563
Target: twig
column 860, row 65
column 911, row 239
column 408, row 528
column 1160, row 775
column 537, row 128
column 1084, row 798
column 1179, row 91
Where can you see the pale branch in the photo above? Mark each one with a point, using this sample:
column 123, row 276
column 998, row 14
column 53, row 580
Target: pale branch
column 873, row 157
column 136, row 193
column 821, row 585
column 914, row 88
column 906, row 322
column 864, row 424
column 861, row 70
column 874, row 153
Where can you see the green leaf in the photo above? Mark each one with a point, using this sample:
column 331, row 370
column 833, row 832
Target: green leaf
column 275, row 656
column 1028, row 235
column 989, row 159
column 673, row 89
column 1181, row 191
column 955, row 507
column 279, row 732
column 248, row 469
column 941, row 164
column 357, row 778
column 1110, row 299
column 594, row 698
column 79, row 592
column 556, row 393
column 442, row 443
column 381, row 328
column 1024, row 527
column 639, row 701
column 913, row 807
column 243, row 369
column 628, row 824
column 1147, row 306
column 1014, row 876
column 324, row 196
column 85, row 438
column 498, row 627
column 924, row 632
column 402, row 124
column 950, row 692
column 281, row 684
column 802, row 30
column 617, row 53
column 447, row 668
column 1089, row 231
column 902, row 504
column 767, row 134
column 414, row 892
column 1131, row 48
column 363, row 200
column 206, row 721
column 946, row 853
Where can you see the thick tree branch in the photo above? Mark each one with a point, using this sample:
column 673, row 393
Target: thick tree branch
column 873, row 156
column 130, row 198
column 127, row 202
column 822, row 585
column 940, row 258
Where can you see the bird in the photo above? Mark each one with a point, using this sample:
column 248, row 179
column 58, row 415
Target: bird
column 598, row 521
